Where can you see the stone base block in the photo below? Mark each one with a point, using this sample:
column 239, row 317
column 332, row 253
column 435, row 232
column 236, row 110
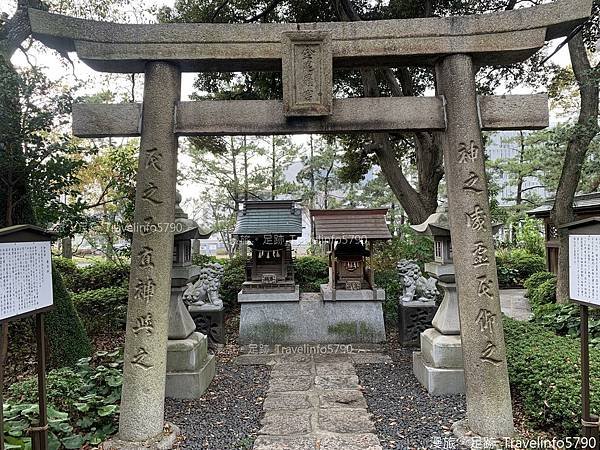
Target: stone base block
column 414, row 318
column 440, row 350
column 311, row 321
column 210, row 321
column 352, row 295
column 164, row 441
column 189, row 385
column 266, row 296
column 190, row 369
column 438, row 381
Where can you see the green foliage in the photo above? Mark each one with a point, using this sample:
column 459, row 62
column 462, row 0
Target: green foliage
column 545, row 373
column 83, row 404
column 409, row 245
column 67, row 269
column 203, row 260
column 102, row 309
column 544, row 294
column 67, row 338
column 534, row 281
column 530, row 237
column 99, row 274
column 564, row 319
column 311, row 272
column 233, row 277
column 516, row 265
column 388, row 279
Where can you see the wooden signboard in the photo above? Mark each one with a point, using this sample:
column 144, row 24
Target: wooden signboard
column 26, row 289
column 584, row 269
column 25, row 278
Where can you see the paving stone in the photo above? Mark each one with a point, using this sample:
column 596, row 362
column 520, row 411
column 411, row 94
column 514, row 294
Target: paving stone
column 345, row 421
column 370, row 358
column 285, row 443
column 335, row 368
column 329, row 382
column 343, row 399
column 286, row 400
column 291, row 369
column 366, row 441
column 331, row 357
column 282, row 423
column 293, row 383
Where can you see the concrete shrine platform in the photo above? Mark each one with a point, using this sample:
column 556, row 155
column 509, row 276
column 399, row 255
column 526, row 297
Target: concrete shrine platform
column 311, row 320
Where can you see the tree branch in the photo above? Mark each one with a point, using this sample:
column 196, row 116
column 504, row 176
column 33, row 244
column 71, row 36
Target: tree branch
column 270, row 7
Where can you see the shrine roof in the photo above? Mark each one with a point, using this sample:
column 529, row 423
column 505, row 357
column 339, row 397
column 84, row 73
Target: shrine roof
column 586, row 203
column 270, row 217
column 360, row 223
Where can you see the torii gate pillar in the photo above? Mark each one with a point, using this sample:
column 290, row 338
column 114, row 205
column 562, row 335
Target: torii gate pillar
column 489, row 409
column 145, row 359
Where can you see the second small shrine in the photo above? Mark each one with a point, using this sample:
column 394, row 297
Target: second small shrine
column 348, row 236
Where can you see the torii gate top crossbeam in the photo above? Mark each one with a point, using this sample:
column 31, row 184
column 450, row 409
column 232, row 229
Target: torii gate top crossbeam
column 497, row 38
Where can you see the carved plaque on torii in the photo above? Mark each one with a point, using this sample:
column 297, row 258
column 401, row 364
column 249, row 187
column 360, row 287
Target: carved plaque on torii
column 307, row 73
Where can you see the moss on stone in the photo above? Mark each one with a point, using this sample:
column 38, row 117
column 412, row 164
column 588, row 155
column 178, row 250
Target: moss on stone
column 350, row 329
column 271, row 332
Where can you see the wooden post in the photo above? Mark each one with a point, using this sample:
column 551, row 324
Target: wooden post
column 3, row 352
column 39, row 434
column 333, row 270
column 589, row 423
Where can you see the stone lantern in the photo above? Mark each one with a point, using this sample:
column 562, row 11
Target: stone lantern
column 190, row 368
column 439, row 364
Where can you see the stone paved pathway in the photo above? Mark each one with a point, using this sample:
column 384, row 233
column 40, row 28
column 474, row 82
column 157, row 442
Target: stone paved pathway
column 514, row 304
column 315, row 402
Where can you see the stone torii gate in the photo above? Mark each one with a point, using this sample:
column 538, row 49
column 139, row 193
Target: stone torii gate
column 307, row 54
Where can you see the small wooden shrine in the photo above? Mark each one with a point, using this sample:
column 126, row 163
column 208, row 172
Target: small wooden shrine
column 349, row 235
column 269, row 226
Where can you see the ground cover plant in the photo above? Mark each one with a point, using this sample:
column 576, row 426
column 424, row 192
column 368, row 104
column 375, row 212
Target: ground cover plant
column 83, row 404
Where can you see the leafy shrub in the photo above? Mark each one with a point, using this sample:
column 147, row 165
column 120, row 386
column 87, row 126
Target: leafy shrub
column 544, row 294
column 100, row 274
column 233, row 277
column 388, row 279
column 534, row 281
column 104, row 308
column 530, row 237
column 311, row 272
column 67, row 338
column 83, row 404
column 564, row 319
column 545, row 372
column 409, row 245
column 203, row 260
column 67, row 269
column 515, row 266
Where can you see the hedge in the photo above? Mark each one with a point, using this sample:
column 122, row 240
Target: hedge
column 100, row 274
column 544, row 371
column 67, row 339
column 517, row 265
column 311, row 272
column 102, row 309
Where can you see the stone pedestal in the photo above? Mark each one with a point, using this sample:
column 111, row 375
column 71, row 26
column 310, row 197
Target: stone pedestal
column 413, row 318
column 210, row 321
column 311, row 321
column 439, row 365
column 190, row 367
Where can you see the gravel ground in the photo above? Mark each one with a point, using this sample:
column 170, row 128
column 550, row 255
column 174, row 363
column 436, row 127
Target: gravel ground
column 405, row 415
column 227, row 416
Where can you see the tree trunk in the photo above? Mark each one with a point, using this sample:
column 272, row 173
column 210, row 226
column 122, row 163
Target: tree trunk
column 421, row 202
column 520, row 177
column 585, row 130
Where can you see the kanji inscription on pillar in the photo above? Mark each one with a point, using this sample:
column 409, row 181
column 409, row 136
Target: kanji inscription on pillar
column 307, row 73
